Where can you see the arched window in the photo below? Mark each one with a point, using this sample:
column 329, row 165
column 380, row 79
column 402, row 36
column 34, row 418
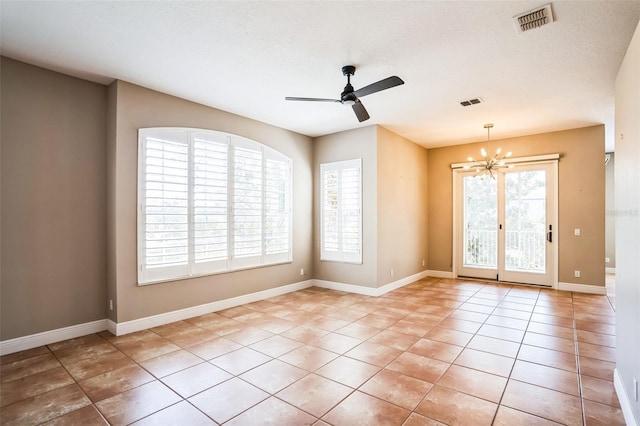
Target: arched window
column 209, row 202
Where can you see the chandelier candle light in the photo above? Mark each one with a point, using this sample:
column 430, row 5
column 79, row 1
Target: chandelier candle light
column 489, row 165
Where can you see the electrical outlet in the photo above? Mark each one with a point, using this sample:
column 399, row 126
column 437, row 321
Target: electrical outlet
column 301, row 271
column 576, row 274
column 576, row 232
column 111, row 304
column 607, row 260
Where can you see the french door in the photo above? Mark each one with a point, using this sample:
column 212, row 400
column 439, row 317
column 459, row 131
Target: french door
column 506, row 227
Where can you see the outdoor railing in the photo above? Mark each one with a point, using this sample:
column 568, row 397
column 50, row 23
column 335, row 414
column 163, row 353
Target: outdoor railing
column 524, row 250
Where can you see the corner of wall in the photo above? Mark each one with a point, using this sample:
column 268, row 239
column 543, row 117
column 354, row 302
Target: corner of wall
column 357, row 143
column 112, row 121
column 402, row 205
column 627, row 224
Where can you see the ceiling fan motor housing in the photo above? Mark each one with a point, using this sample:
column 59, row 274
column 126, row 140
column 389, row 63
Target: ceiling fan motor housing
column 347, row 97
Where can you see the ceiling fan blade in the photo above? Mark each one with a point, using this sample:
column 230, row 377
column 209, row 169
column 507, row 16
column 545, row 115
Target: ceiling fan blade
column 289, row 98
column 360, row 111
column 387, row 83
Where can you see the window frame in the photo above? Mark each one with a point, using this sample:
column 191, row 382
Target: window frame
column 192, row 268
column 341, row 255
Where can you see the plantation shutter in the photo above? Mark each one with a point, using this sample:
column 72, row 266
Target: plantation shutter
column 210, row 203
column 341, row 227
column 247, row 203
column 277, row 207
column 165, row 175
column 330, row 212
column 350, row 211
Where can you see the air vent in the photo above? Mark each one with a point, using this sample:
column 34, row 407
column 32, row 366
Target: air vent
column 471, row 102
column 534, row 18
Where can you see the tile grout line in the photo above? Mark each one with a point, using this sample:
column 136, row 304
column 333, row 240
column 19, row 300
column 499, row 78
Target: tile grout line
column 474, row 335
column 577, row 350
column 158, row 379
column 498, row 404
column 516, row 357
column 77, row 383
column 454, row 292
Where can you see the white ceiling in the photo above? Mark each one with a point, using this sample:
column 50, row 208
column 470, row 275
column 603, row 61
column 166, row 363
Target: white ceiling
column 245, row 57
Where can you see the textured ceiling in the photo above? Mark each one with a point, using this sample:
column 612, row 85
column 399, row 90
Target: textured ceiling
column 245, row 57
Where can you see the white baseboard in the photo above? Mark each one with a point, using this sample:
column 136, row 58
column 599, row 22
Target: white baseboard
column 582, row 288
column 121, row 328
column 52, row 336
column 35, row 340
column 127, row 327
column 610, row 271
column 349, row 288
column 402, row 282
column 371, row 291
column 112, row 327
column 440, row 274
column 625, row 401
column 194, row 311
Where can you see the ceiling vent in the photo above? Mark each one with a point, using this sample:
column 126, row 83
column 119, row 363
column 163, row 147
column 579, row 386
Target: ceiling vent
column 471, row 102
column 534, row 18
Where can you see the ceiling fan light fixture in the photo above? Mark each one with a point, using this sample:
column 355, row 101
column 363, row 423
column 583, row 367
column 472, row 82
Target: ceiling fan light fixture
column 348, row 97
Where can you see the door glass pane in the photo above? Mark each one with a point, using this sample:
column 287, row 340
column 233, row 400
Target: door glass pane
column 480, row 222
column 525, row 221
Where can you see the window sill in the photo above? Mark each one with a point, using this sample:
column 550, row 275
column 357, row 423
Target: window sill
column 226, row 271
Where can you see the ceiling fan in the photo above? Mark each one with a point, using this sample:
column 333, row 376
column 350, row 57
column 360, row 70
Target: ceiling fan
column 351, row 97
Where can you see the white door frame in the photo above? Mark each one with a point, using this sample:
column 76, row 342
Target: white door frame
column 458, row 168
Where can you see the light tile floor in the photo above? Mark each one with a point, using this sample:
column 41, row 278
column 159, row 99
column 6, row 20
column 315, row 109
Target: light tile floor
column 434, row 352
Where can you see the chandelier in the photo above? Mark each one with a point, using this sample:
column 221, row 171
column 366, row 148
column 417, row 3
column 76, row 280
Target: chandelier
column 489, row 165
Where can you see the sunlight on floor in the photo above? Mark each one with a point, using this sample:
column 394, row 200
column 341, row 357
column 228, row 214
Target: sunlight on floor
column 610, row 283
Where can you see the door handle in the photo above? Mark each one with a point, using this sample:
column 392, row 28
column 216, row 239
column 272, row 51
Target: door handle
column 550, row 235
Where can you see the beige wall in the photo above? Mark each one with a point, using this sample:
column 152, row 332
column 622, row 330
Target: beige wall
column 402, row 207
column 349, row 145
column 394, row 205
column 53, row 200
column 69, row 178
column 581, row 190
column 627, row 213
column 137, row 107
